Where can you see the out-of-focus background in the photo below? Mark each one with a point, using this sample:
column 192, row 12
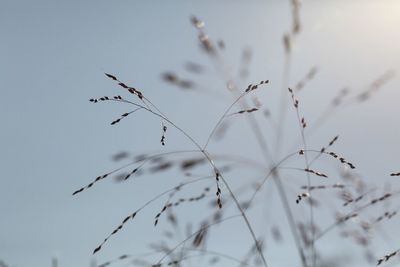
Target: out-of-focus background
column 53, row 141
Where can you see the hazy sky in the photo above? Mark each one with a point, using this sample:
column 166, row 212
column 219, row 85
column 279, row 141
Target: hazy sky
column 53, row 56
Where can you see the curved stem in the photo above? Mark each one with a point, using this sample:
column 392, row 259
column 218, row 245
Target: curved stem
column 215, row 169
column 307, row 162
column 221, row 119
column 195, row 233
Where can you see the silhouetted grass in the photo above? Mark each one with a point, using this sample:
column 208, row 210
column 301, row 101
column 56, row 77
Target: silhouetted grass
column 360, row 209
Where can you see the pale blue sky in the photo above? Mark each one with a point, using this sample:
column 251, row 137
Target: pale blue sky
column 53, row 56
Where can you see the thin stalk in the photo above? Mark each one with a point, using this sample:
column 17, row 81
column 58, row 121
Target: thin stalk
column 215, row 169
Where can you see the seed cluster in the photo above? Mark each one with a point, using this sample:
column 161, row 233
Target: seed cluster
column 302, row 196
column 116, row 230
column 105, row 98
column 387, row 215
column 126, row 114
column 309, row 76
column 253, row 87
column 218, row 193
column 315, row 172
column 387, row 257
column 131, row 90
column 341, row 159
column 294, row 99
column 244, row 111
column 319, row 187
column 180, row 201
column 172, row 78
column 164, row 130
column 98, row 178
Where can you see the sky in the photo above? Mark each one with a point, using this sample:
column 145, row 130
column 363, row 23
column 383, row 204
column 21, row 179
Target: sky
column 53, row 140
